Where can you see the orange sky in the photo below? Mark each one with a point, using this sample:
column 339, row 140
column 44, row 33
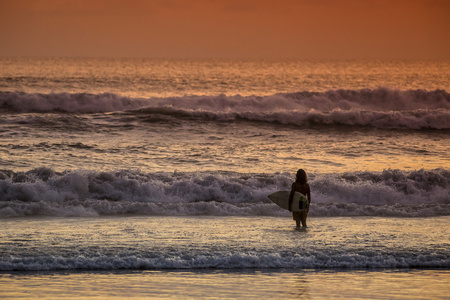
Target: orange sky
column 310, row 29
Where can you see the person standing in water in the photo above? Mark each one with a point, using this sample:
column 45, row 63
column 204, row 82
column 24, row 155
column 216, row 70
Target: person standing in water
column 300, row 185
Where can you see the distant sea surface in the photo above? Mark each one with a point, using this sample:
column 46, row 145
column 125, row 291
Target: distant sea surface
column 113, row 164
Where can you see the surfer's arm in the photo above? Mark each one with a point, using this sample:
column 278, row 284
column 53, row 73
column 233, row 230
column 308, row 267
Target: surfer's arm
column 308, row 195
column 291, row 196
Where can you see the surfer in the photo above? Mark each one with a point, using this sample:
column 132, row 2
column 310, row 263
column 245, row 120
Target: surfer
column 300, row 185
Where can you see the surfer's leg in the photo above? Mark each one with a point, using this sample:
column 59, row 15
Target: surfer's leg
column 296, row 217
column 303, row 216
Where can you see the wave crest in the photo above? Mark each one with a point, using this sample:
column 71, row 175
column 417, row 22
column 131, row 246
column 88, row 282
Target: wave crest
column 381, row 108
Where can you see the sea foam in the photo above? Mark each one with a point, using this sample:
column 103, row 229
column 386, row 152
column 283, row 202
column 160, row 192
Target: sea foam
column 316, row 260
column 42, row 191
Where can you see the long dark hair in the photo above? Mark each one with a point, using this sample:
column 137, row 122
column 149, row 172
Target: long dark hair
column 301, row 176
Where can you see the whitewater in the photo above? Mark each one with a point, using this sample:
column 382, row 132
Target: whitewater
column 144, row 172
column 43, row 192
column 380, row 108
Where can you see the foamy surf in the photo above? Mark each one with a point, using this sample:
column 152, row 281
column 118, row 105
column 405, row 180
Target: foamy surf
column 44, row 192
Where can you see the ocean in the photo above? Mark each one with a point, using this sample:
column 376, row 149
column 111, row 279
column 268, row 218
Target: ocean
column 149, row 178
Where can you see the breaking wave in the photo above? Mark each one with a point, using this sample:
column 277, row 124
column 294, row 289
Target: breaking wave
column 42, row 191
column 380, row 108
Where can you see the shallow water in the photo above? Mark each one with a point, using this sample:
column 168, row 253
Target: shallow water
column 113, row 243
column 225, row 257
column 232, row 284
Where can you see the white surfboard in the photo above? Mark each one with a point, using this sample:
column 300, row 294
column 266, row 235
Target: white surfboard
column 281, row 198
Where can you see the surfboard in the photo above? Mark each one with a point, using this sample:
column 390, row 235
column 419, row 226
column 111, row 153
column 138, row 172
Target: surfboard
column 281, row 198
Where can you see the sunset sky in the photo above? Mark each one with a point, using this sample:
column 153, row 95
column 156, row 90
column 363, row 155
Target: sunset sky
column 306, row 29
